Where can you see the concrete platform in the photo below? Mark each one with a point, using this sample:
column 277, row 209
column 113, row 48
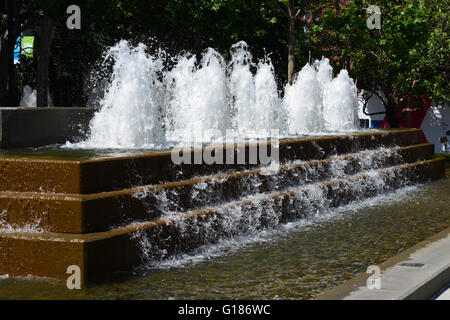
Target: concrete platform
column 101, row 254
column 83, row 207
column 415, row 274
column 36, row 127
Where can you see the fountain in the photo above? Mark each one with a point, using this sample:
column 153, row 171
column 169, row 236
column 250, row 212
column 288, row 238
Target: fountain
column 112, row 213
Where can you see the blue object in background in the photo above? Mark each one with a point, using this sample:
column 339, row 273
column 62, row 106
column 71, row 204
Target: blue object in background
column 375, row 124
column 17, row 49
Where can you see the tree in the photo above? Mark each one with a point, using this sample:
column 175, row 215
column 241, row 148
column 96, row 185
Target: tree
column 23, row 18
column 408, row 56
column 405, row 60
column 72, row 54
column 43, row 64
column 292, row 14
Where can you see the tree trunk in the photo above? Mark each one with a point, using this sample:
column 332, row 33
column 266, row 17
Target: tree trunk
column 391, row 113
column 7, row 56
column 291, row 41
column 10, row 53
column 408, row 116
column 43, row 62
column 3, row 62
column 4, row 73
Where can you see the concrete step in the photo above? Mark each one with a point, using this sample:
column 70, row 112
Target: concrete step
column 101, row 254
column 46, row 174
column 75, row 213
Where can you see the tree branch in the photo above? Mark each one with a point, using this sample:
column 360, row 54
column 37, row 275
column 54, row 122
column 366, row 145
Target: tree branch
column 4, row 18
column 282, row 10
column 374, row 54
column 26, row 21
column 4, row 21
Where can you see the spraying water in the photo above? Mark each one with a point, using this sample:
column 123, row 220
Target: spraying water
column 197, row 96
column 338, row 94
column 303, row 102
column 147, row 105
column 254, row 98
column 130, row 114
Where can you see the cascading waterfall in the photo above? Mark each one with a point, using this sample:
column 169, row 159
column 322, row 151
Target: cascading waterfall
column 173, row 201
column 165, row 210
column 148, row 105
column 253, row 210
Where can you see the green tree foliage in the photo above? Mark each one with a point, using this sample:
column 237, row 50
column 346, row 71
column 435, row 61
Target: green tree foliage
column 407, row 57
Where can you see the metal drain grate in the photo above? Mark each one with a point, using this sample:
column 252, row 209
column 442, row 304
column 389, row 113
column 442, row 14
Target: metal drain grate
column 411, row 265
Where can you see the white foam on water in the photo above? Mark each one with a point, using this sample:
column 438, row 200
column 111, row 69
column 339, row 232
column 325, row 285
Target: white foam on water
column 31, row 227
column 215, row 190
column 254, row 98
column 303, row 102
column 197, row 97
column 229, row 246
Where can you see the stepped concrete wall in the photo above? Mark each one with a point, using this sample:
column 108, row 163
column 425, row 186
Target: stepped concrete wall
column 82, row 208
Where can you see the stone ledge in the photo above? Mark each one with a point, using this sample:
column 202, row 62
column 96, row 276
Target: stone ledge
column 24, row 127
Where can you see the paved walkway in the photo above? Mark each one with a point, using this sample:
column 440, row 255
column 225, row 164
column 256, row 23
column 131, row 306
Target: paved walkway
column 417, row 273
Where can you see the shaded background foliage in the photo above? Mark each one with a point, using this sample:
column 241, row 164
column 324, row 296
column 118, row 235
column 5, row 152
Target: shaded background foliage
column 408, row 55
